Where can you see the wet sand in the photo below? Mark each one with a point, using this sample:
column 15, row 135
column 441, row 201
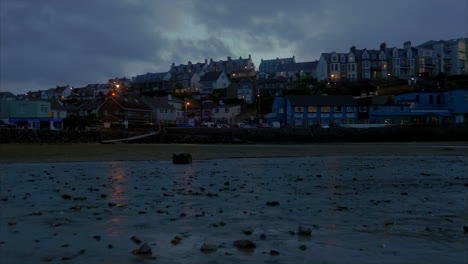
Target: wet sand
column 161, row 152
column 363, row 203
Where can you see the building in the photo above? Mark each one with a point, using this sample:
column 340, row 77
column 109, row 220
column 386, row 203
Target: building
column 124, row 110
column 163, row 112
column 271, row 67
column 243, row 90
column 31, row 114
column 234, row 68
column 225, row 114
column 436, row 107
column 305, row 111
column 152, row 81
column 452, row 55
column 213, row 80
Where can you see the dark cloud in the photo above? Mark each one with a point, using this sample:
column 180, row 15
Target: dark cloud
column 54, row 42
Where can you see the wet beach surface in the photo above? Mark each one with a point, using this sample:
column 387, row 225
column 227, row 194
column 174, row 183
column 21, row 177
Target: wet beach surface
column 332, row 209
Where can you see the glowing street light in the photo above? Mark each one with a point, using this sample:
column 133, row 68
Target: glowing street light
column 186, row 106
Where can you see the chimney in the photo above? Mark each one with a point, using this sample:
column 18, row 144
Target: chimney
column 383, row 46
column 206, row 61
column 250, row 57
column 407, row 44
column 229, row 58
column 353, row 49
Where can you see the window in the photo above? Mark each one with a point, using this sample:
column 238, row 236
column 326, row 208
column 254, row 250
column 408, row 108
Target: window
column 402, row 108
column 465, row 96
column 334, row 58
column 362, row 109
column 281, row 111
column 226, row 110
column 325, row 109
column 312, row 109
column 350, row 109
column 338, row 109
column 299, row 109
column 389, row 108
column 351, row 59
column 342, row 58
column 365, row 56
column 376, row 108
column 44, row 108
column 417, row 98
column 216, row 110
column 431, row 99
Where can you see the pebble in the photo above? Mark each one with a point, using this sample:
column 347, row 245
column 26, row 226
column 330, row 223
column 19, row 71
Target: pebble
column 244, row 244
column 144, row 250
column 304, row 231
column 208, row 248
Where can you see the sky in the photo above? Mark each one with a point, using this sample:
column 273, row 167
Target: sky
column 54, row 42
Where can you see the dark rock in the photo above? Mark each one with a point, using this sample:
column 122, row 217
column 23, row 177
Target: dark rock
column 136, row 240
column 208, row 248
column 144, row 250
column 181, row 158
column 67, row 197
column 465, row 229
column 274, row 253
column 303, row 247
column 244, row 244
column 12, row 222
column 247, row 231
column 38, row 213
column 274, row 203
column 263, row 237
column 176, row 240
column 304, row 231
column 98, row 238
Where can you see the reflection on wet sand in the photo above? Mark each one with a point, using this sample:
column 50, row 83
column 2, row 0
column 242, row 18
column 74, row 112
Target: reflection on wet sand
column 118, row 223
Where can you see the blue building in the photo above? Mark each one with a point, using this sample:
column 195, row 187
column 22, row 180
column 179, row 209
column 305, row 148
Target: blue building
column 435, row 107
column 304, row 111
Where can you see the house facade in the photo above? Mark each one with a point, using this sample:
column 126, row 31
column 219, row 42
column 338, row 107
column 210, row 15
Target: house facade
column 436, row 107
column 452, row 55
column 30, row 114
column 235, row 68
column 213, row 80
column 124, row 111
column 163, row 112
column 242, row 90
column 305, row 111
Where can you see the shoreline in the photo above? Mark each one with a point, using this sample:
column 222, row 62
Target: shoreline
column 31, row 153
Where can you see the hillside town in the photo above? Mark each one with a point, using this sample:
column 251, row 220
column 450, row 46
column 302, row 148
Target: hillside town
column 424, row 84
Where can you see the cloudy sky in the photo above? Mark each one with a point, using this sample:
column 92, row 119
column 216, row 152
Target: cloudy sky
column 55, row 42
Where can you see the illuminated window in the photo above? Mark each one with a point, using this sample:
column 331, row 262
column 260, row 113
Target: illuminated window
column 281, row 110
column 325, row 109
column 312, row 109
column 299, row 109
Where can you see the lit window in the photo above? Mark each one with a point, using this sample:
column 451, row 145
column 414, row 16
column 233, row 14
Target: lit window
column 299, row 109
column 312, row 109
column 325, row 109
column 281, row 110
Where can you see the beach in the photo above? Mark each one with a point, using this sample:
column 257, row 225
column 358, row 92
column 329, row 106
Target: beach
column 330, row 203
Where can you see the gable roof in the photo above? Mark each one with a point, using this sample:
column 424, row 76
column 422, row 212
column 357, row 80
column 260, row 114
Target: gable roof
column 128, row 102
column 7, row 95
column 318, row 100
column 211, row 76
column 157, row 102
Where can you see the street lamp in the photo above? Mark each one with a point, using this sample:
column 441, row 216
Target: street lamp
column 186, row 106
